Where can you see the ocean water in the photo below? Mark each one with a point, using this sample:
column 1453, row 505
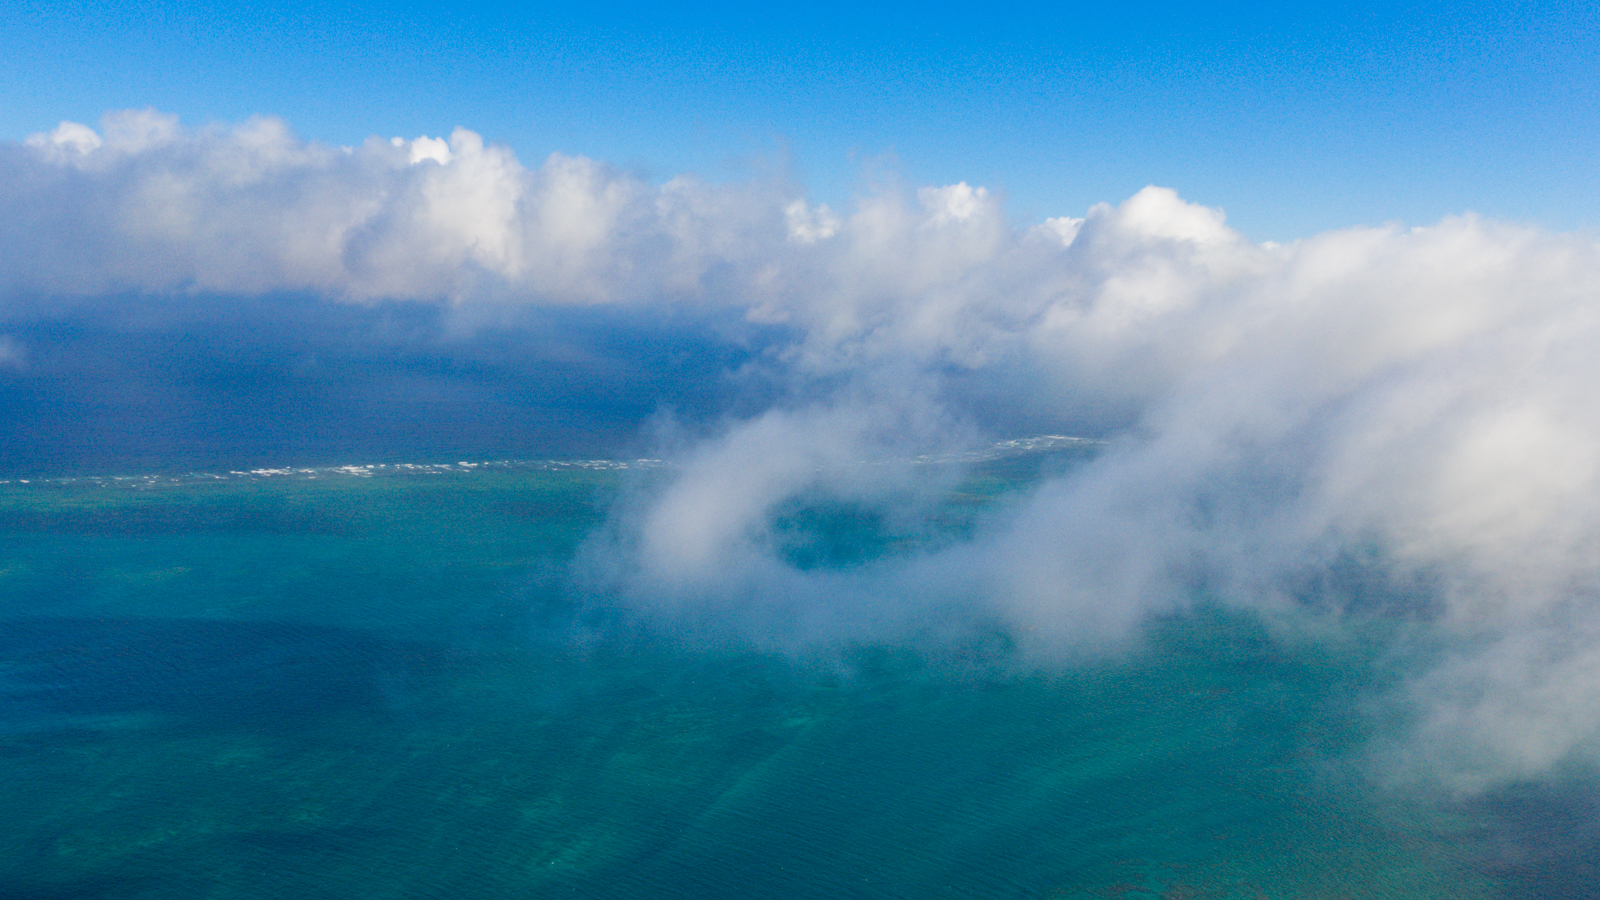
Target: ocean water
column 383, row 683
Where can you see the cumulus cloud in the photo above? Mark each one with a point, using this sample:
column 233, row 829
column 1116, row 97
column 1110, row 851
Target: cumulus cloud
column 1415, row 398
column 1415, row 403
column 149, row 205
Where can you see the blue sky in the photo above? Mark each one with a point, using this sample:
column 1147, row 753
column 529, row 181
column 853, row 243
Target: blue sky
column 1292, row 118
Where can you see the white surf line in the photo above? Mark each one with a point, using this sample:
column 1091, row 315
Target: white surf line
column 998, row 450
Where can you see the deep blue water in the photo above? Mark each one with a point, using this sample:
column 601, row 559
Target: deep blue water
column 389, row 687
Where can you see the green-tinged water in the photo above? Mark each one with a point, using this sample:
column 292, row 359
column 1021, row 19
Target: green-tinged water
column 384, row 687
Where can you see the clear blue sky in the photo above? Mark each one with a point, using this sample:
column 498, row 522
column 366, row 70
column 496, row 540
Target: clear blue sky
column 1292, row 118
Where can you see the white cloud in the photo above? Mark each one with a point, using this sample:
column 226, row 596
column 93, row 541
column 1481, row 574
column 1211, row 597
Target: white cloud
column 67, row 140
column 1427, row 392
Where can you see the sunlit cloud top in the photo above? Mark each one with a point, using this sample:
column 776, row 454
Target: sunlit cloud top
column 1295, row 119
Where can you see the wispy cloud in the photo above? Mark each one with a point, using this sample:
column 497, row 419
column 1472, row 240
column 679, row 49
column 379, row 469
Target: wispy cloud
column 1419, row 400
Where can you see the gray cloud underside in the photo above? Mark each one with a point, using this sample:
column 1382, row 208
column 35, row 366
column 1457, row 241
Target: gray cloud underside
column 1421, row 398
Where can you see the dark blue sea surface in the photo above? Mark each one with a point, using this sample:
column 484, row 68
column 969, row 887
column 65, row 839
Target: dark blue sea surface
column 328, row 685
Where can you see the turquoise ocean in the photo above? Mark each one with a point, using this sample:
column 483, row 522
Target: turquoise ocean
column 385, row 682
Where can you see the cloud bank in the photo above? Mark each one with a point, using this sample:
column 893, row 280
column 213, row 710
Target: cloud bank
column 1374, row 421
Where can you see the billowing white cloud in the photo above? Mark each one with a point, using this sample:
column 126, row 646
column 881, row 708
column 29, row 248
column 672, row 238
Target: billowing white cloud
column 149, row 206
column 1417, row 399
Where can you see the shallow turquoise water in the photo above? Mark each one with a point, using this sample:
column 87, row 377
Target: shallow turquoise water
column 385, row 687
